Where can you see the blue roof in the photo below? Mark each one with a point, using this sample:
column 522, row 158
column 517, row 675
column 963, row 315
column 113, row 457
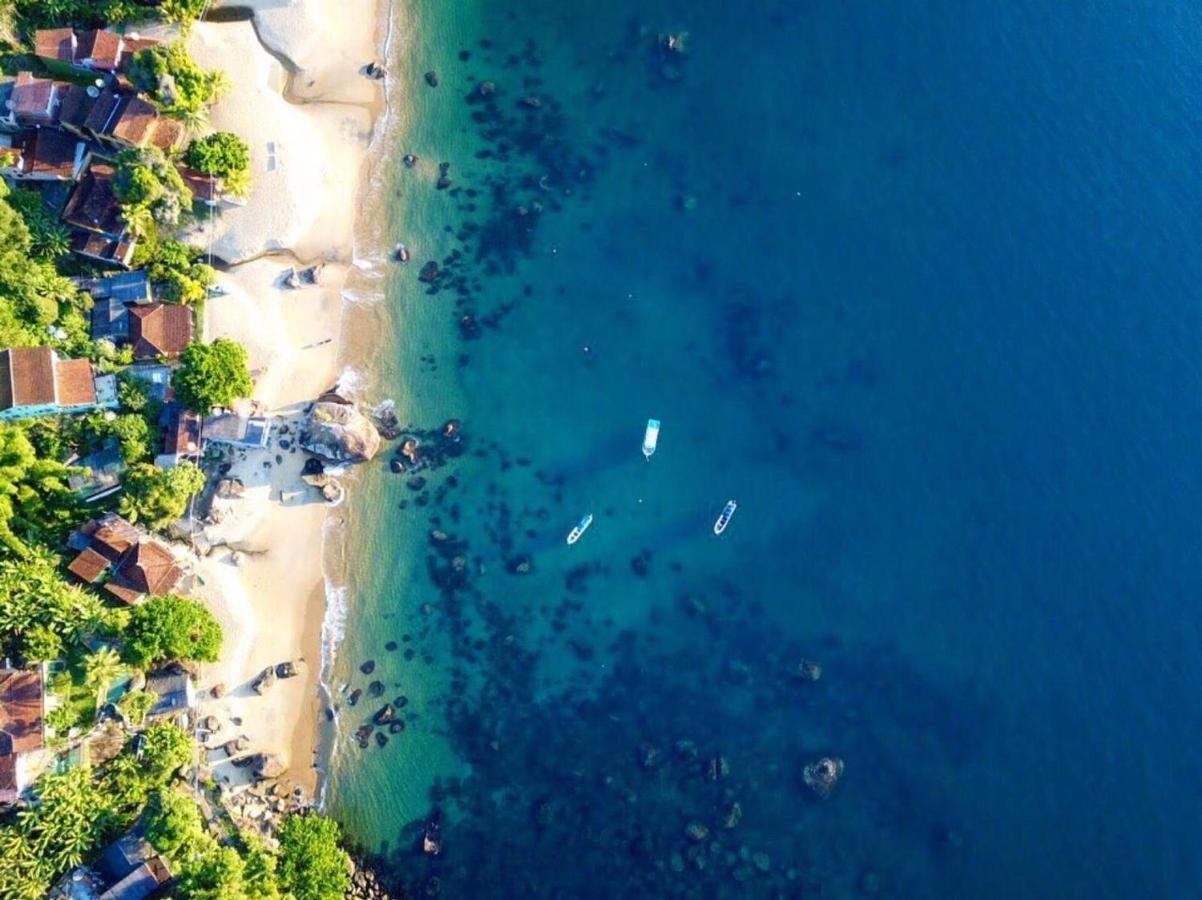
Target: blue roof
column 125, row 287
column 110, row 319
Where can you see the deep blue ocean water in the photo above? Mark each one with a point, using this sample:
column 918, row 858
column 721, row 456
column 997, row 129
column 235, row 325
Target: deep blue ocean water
column 917, row 285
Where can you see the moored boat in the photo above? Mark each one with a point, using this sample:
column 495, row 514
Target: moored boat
column 650, row 437
column 724, row 519
column 581, row 528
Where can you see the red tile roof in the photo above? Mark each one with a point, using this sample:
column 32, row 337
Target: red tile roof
column 88, row 565
column 167, row 133
column 55, row 43
column 31, row 376
column 33, row 98
column 20, row 711
column 101, row 48
column 181, row 435
column 49, row 153
column 135, row 122
column 111, row 536
column 147, row 569
column 76, row 385
column 160, row 329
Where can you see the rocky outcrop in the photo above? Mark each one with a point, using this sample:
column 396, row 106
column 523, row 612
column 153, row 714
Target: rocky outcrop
column 339, row 433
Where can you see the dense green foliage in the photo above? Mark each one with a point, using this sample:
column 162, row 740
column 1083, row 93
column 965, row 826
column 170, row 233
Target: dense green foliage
column 151, row 191
column 170, row 77
column 173, row 821
column 36, row 504
column 136, row 704
column 182, row 11
column 81, row 13
column 157, row 497
column 33, row 296
column 313, row 865
column 177, row 271
column 41, row 613
column 77, row 814
column 171, row 628
column 211, row 375
column 101, row 669
column 48, row 237
column 223, row 155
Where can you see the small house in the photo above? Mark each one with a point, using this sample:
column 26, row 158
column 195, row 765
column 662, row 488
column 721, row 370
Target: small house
column 129, row 869
column 135, row 565
column 112, row 297
column 34, row 101
column 159, row 330
column 35, row 382
column 45, row 154
column 235, row 429
column 181, row 436
column 175, row 690
column 22, row 703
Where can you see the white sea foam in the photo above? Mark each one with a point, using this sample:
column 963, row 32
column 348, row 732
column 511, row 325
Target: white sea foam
column 350, row 382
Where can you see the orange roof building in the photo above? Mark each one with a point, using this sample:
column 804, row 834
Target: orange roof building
column 21, row 727
column 35, row 382
column 159, row 329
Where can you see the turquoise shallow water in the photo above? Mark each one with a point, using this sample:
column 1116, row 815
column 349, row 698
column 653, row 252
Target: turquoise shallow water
column 917, row 286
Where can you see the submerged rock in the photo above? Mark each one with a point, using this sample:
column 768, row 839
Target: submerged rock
column 339, row 433
column 696, row 832
column 823, row 775
column 431, row 78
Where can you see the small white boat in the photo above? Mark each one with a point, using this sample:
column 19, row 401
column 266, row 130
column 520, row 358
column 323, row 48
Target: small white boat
column 650, row 437
column 581, row 528
column 723, row 520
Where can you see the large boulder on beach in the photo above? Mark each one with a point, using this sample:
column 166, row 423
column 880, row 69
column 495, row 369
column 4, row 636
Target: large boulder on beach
column 339, row 433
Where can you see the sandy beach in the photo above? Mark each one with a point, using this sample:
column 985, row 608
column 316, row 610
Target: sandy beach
column 301, row 103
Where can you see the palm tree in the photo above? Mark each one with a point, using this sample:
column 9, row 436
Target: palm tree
column 100, row 670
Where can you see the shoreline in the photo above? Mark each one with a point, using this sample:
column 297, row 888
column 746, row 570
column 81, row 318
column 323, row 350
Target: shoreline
column 311, row 126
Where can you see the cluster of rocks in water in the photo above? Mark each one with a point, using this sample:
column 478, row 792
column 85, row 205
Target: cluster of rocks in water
column 697, row 764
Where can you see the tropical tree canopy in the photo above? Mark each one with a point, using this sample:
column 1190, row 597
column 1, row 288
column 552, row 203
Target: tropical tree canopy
column 313, row 865
column 40, row 612
column 159, row 496
column 171, row 628
column 169, row 76
column 36, row 503
column 221, row 154
column 178, row 272
column 211, row 375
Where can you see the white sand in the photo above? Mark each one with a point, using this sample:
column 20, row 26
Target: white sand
column 308, row 160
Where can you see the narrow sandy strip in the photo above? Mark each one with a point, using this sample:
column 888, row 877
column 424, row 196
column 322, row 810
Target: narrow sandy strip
column 263, row 577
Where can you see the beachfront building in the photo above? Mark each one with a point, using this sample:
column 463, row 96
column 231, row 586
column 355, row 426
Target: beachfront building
column 128, row 869
column 22, row 709
column 112, row 298
column 129, row 564
column 236, row 429
column 35, row 382
column 176, row 692
column 44, row 154
column 94, row 211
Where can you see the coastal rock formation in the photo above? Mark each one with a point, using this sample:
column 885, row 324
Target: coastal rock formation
column 339, row 433
column 265, row 679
